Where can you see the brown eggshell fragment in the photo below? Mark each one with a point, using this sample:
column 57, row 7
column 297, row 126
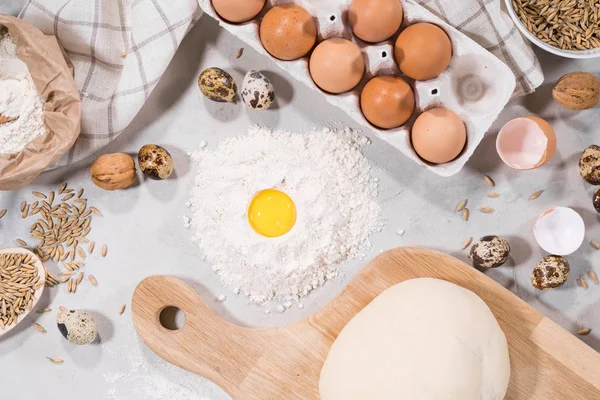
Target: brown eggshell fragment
column 288, row 32
column 550, row 272
column 526, row 143
column 155, row 161
column 337, row 65
column 375, row 20
column 387, row 101
column 589, row 165
column 237, row 11
column 438, row 135
column 423, row 51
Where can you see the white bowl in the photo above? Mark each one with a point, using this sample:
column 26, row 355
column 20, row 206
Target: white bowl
column 580, row 54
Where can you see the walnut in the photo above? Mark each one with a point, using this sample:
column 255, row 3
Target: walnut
column 577, row 91
column 113, row 171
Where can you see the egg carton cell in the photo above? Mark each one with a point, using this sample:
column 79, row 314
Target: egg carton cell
column 476, row 85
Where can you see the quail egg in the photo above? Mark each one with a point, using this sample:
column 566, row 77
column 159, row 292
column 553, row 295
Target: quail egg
column 550, row 272
column 217, row 85
column 490, row 252
column 597, row 200
column 78, row 327
column 257, row 91
column 155, row 161
column 589, row 165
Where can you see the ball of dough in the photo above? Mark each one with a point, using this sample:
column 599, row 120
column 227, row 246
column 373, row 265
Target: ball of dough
column 423, row 339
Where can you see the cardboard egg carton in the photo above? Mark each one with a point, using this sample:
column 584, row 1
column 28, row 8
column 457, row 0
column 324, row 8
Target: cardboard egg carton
column 476, row 85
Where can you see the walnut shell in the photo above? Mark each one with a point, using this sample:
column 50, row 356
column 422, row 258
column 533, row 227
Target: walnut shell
column 113, row 171
column 577, row 91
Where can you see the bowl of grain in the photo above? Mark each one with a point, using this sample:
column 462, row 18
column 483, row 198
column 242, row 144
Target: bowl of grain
column 568, row 28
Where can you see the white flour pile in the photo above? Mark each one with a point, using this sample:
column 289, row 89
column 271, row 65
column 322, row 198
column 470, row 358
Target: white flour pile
column 18, row 99
column 328, row 179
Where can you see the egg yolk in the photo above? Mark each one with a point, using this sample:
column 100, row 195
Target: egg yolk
column 272, row 213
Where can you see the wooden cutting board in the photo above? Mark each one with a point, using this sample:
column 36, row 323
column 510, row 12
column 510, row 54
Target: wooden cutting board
column 547, row 362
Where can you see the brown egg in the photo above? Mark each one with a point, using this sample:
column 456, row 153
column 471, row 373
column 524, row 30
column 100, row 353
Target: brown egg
column 288, row 32
column 375, row 20
column 237, row 11
column 337, row 65
column 387, row 101
column 423, row 51
column 439, row 135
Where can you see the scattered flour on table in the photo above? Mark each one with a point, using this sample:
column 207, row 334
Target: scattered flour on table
column 18, row 99
column 143, row 375
column 330, row 182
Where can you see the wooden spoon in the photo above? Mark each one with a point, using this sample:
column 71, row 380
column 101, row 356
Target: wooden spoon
column 38, row 293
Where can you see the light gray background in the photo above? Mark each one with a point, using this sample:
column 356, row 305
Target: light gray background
column 145, row 235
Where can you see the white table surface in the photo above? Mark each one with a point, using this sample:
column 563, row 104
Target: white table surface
column 145, row 235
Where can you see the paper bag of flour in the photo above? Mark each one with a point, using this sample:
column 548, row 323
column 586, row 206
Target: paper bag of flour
column 52, row 75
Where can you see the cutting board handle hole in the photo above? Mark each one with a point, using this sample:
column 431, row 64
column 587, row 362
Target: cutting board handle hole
column 172, row 318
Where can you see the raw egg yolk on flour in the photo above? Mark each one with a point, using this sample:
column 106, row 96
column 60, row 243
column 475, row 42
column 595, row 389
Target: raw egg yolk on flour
column 272, row 213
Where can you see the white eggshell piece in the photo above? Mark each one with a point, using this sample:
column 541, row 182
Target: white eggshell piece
column 257, row 91
column 521, row 144
column 476, row 85
column 560, row 231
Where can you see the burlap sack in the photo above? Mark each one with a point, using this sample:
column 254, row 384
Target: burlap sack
column 53, row 78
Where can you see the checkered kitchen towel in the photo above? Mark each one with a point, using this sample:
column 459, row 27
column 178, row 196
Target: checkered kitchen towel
column 121, row 48
column 485, row 22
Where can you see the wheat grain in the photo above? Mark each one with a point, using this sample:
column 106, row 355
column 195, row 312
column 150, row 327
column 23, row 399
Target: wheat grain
column 55, row 360
column 486, row 210
column 465, row 214
column 489, row 181
column 493, row 194
column 467, row 243
column 461, row 206
column 122, row 309
column 93, row 280
column 104, row 250
column 536, row 195
column 584, row 332
column 592, row 275
column 40, row 328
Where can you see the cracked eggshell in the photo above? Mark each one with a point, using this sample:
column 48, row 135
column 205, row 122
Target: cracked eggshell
column 559, row 231
column 526, row 143
column 257, row 91
column 78, row 327
column 490, row 252
column 550, row 273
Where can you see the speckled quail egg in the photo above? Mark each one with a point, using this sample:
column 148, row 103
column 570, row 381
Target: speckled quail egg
column 597, row 200
column 589, row 165
column 217, row 85
column 78, row 327
column 155, row 161
column 550, row 272
column 257, row 91
column 490, row 252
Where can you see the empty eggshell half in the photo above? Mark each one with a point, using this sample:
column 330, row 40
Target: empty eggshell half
column 559, row 231
column 526, row 143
